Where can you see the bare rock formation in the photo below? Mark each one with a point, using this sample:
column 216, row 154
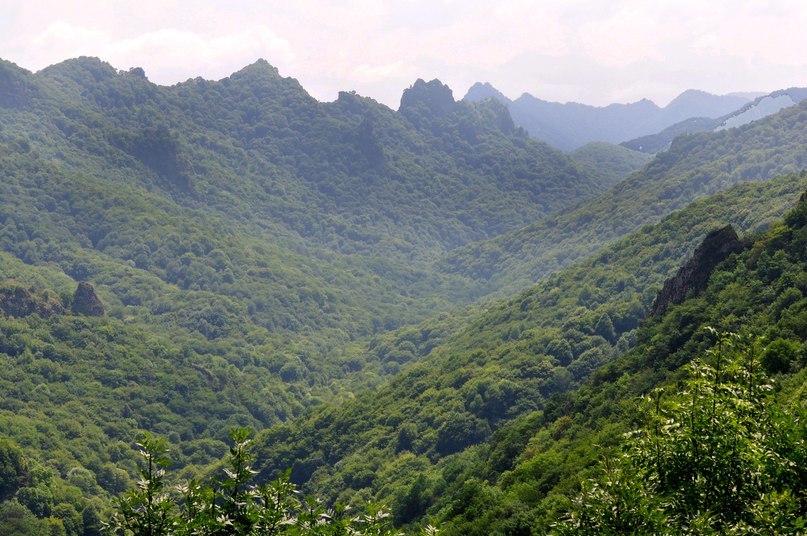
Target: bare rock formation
column 694, row 274
column 86, row 302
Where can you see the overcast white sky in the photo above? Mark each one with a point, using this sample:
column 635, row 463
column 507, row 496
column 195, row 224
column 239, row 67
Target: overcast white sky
column 591, row 51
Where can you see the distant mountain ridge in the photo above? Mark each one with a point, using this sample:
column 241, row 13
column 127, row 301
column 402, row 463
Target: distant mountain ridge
column 570, row 125
column 484, row 90
column 762, row 106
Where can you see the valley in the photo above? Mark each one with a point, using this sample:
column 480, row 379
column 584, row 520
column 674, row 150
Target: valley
column 425, row 308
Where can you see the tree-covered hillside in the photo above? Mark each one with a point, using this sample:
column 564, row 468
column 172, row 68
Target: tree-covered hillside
column 696, row 165
column 685, row 386
column 243, row 239
column 416, row 443
column 351, row 175
column 219, row 255
column 608, row 164
column 661, row 141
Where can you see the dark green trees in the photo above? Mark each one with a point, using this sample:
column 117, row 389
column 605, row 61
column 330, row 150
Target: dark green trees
column 13, row 469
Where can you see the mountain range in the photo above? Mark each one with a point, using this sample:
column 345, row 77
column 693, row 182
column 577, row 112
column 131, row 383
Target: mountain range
column 760, row 107
column 568, row 126
column 425, row 307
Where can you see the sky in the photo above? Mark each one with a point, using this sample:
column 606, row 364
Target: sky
column 591, row 51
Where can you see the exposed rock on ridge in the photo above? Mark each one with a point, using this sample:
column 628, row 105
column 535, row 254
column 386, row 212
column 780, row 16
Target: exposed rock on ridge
column 694, row 274
column 433, row 98
column 86, row 302
column 19, row 302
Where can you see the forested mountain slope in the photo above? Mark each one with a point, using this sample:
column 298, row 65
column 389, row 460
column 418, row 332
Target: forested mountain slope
column 205, row 328
column 419, row 439
column 608, row 164
column 661, row 141
column 220, row 214
column 757, row 293
column 351, row 175
column 695, row 166
column 248, row 256
column 243, row 239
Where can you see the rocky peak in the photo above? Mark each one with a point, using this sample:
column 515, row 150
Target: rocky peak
column 86, row 302
column 434, row 98
column 694, row 274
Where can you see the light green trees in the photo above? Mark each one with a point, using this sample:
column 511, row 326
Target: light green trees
column 233, row 505
column 712, row 458
column 147, row 510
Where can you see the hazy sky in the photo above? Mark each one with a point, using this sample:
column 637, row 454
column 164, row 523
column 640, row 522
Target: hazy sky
column 592, row 51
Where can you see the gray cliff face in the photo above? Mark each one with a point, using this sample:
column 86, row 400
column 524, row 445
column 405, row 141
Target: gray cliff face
column 694, row 274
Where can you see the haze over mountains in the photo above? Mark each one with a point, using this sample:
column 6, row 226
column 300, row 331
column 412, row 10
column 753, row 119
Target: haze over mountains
column 760, row 107
column 571, row 125
column 424, row 307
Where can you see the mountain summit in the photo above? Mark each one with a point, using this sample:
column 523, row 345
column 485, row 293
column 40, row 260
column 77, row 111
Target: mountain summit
column 432, row 97
column 481, row 91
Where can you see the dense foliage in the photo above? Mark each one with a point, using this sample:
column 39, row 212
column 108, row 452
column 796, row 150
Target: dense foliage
column 351, row 175
column 608, row 164
column 232, row 504
column 718, row 456
column 425, row 439
column 759, row 292
column 695, row 166
column 246, row 256
column 244, row 240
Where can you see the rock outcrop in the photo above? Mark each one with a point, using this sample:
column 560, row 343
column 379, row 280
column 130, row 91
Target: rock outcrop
column 18, row 302
column 86, row 302
column 694, row 274
column 433, row 99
